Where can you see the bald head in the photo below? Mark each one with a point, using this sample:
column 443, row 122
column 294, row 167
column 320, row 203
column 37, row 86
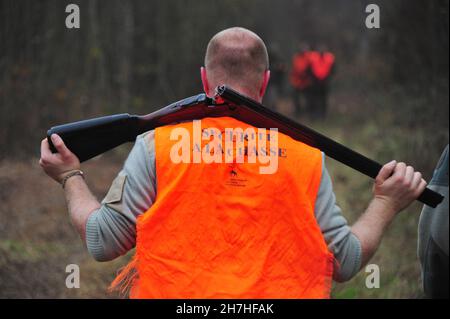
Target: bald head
column 236, row 57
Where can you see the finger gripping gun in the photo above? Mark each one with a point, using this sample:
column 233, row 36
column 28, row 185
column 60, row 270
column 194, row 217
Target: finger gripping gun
column 89, row 138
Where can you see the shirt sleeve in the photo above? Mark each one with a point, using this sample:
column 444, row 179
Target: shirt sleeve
column 340, row 240
column 111, row 230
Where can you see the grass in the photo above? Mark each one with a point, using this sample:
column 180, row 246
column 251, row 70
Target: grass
column 37, row 240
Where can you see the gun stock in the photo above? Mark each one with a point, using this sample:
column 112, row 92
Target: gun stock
column 89, row 138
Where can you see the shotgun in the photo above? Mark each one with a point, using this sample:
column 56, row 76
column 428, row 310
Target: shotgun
column 90, row 138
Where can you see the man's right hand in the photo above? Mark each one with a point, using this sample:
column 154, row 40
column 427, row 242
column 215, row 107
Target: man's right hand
column 59, row 164
column 397, row 185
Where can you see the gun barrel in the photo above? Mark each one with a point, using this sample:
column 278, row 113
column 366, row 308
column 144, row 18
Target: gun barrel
column 256, row 114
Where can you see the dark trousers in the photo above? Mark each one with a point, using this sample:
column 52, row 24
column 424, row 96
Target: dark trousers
column 311, row 101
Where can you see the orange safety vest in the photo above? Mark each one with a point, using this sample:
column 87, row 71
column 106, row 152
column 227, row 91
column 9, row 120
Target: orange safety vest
column 321, row 64
column 300, row 77
column 225, row 231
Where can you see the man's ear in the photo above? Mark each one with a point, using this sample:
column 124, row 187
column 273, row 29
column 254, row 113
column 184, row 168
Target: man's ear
column 264, row 84
column 204, row 80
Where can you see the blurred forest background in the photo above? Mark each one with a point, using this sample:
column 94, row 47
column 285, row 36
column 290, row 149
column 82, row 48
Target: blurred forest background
column 389, row 99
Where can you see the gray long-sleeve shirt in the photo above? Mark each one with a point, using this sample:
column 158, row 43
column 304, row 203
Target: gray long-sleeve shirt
column 111, row 230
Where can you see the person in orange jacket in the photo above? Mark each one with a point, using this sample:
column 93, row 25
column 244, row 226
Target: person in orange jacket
column 214, row 229
column 322, row 66
column 300, row 77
